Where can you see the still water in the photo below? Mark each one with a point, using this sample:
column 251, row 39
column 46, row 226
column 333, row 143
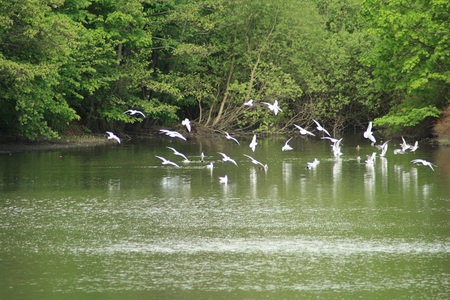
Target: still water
column 111, row 222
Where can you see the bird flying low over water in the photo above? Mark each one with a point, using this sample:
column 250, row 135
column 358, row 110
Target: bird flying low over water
column 253, row 143
column 371, row 159
column 304, row 131
column 133, row 112
column 249, row 103
column 312, row 165
column 384, row 148
column 414, row 147
column 336, row 148
column 423, row 162
column 172, row 133
column 286, row 146
column 320, row 128
column 229, row 137
column 175, row 152
column 112, row 136
column 368, row 134
column 223, row 179
column 227, row 158
column 167, row 162
column 273, row 107
column 405, row 146
column 187, row 123
column 254, row 161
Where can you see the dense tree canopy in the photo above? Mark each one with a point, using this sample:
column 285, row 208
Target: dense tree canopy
column 342, row 62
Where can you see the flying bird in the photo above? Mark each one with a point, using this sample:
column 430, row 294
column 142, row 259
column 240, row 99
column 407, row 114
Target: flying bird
column 414, row 147
column 371, row 159
column 112, row 136
column 172, row 133
column 336, row 148
column 286, row 146
column 384, row 148
column 133, row 112
column 254, row 161
column 229, row 137
column 333, row 140
column 253, row 143
column 167, row 162
column 175, row 152
column 320, row 128
column 273, row 107
column 405, row 146
column 368, row 134
column 223, row 179
column 312, row 165
column 304, row 131
column 249, row 103
column 423, row 162
column 186, row 123
column 227, row 158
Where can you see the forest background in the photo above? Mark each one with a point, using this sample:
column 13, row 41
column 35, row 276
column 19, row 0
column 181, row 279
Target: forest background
column 68, row 64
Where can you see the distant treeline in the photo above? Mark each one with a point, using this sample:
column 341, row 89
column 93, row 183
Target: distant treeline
column 84, row 62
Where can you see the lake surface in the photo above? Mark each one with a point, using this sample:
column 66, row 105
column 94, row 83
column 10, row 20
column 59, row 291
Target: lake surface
column 111, row 222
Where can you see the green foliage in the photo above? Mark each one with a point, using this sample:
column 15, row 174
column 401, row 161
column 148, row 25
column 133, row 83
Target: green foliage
column 411, row 58
column 90, row 60
column 396, row 120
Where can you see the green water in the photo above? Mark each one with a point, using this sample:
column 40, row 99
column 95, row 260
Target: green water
column 111, row 222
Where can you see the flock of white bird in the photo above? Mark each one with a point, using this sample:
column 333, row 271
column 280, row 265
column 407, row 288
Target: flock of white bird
column 335, row 143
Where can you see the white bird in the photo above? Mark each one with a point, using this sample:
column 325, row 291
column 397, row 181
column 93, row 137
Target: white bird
column 371, row 159
column 202, row 156
column 175, row 152
column 133, row 112
column 210, row 166
column 273, row 107
column 336, row 148
column 313, row 164
column 414, row 147
column 223, row 179
column 423, row 162
column 186, row 123
column 384, row 148
column 227, row 158
column 320, row 128
column 254, row 161
column 333, row 140
column 112, row 136
column 405, row 146
column 304, row 131
column 229, row 137
column 172, row 133
column 167, row 162
column 399, row 151
column 286, row 146
column 368, row 134
column 253, row 143
column 249, row 103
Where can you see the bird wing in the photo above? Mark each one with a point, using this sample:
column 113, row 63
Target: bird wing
column 161, row 158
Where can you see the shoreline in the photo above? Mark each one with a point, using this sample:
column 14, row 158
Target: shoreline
column 70, row 141
column 9, row 146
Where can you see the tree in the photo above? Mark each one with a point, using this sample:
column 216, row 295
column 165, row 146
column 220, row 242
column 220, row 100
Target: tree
column 411, row 58
column 34, row 43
